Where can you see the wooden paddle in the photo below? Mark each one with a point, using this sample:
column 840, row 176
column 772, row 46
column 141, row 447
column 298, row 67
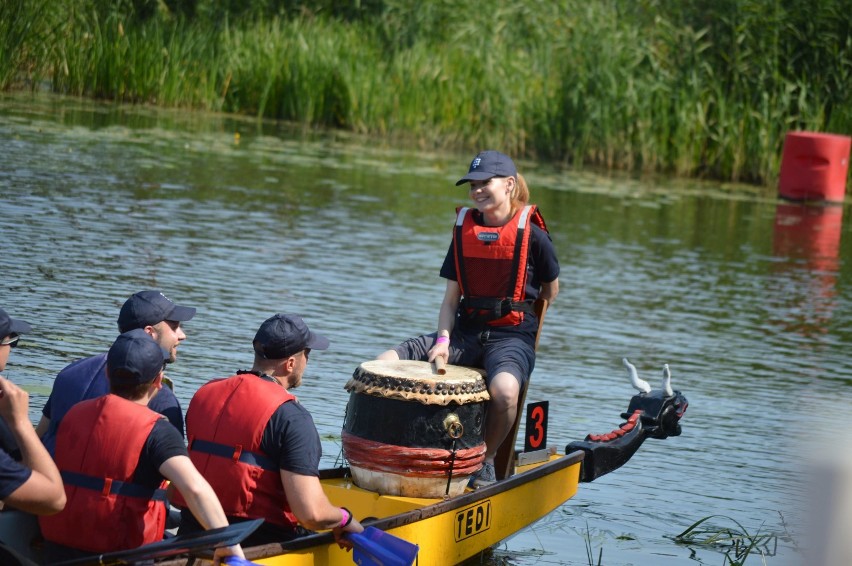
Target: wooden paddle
column 504, row 460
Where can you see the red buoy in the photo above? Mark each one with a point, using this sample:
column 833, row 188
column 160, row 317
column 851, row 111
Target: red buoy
column 814, row 166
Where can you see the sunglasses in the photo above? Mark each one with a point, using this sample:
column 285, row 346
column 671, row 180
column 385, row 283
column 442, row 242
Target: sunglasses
column 12, row 341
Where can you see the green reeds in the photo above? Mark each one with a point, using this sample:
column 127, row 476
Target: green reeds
column 161, row 62
column 296, row 70
column 682, row 87
column 24, row 27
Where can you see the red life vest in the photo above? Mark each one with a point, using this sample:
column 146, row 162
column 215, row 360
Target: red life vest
column 491, row 266
column 224, row 425
column 97, row 451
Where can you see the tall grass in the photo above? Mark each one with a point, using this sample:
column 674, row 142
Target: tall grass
column 695, row 88
column 169, row 63
column 24, row 25
column 298, row 70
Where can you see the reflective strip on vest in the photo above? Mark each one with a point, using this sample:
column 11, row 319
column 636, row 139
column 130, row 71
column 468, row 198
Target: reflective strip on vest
column 116, row 487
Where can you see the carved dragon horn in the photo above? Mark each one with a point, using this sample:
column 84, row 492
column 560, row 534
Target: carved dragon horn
column 667, row 381
column 638, row 383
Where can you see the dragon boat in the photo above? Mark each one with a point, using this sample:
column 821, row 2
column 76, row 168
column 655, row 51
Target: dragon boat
column 447, row 527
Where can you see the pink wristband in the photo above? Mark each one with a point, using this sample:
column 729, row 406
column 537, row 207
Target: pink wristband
column 442, row 340
column 346, row 517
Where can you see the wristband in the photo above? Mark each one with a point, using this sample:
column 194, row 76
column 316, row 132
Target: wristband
column 346, row 518
column 442, row 340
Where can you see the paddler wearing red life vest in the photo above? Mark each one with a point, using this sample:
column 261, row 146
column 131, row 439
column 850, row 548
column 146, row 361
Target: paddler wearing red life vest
column 258, row 446
column 115, row 454
column 500, row 261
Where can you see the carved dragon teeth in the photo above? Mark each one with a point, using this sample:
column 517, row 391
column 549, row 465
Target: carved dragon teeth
column 618, row 432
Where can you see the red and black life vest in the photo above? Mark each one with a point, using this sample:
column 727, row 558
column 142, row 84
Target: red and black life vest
column 224, row 427
column 97, row 451
column 491, row 266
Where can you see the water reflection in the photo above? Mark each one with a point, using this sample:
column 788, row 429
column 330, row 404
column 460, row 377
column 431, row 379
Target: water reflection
column 807, row 245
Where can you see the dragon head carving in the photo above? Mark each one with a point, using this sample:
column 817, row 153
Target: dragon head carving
column 661, row 409
column 651, row 413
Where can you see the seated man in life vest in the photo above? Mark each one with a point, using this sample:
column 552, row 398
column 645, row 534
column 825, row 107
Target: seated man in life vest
column 86, row 379
column 35, row 487
column 116, row 445
column 253, row 414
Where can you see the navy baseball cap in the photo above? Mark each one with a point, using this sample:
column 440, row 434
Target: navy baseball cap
column 148, row 308
column 9, row 325
column 283, row 335
column 488, row 164
column 135, row 358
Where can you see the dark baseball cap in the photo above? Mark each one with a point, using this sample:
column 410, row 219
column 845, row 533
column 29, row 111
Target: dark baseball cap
column 135, row 358
column 148, row 308
column 283, row 335
column 488, row 164
column 9, row 325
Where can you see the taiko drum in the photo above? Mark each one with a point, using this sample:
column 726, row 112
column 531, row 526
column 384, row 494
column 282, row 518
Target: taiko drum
column 412, row 432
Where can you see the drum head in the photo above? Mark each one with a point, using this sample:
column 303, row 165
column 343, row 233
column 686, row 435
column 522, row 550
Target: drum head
column 410, row 380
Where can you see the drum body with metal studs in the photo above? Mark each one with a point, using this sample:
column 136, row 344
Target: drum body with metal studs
column 409, row 431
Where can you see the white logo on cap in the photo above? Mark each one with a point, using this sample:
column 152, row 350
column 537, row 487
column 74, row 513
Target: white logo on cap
column 476, row 162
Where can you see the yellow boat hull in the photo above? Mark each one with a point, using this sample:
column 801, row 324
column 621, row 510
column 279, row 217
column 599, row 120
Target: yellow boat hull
column 447, row 531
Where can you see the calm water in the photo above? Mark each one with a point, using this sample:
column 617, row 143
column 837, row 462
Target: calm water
column 748, row 300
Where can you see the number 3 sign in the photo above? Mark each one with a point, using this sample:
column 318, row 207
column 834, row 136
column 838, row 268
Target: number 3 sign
column 535, row 437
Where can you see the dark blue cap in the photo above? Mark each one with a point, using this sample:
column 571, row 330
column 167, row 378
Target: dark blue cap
column 284, row 335
column 135, row 358
column 147, row 308
column 488, row 164
column 9, row 325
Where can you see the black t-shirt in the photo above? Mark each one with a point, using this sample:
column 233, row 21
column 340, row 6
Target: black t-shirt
column 163, row 442
column 291, row 439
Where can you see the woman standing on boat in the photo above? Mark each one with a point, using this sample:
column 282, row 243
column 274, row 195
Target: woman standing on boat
column 501, row 259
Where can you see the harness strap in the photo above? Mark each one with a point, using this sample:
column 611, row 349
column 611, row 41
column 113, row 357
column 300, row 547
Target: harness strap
column 461, row 271
column 109, row 486
column 519, row 243
column 498, row 305
column 478, row 311
column 234, row 453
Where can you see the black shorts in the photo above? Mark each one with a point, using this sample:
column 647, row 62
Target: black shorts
column 494, row 350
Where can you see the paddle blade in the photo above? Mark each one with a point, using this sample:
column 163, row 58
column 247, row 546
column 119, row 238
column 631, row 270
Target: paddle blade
column 374, row 547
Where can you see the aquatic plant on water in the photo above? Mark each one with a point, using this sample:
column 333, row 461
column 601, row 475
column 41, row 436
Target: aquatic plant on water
column 589, row 553
column 736, row 542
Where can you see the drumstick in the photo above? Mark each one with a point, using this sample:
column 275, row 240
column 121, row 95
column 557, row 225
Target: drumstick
column 440, row 366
